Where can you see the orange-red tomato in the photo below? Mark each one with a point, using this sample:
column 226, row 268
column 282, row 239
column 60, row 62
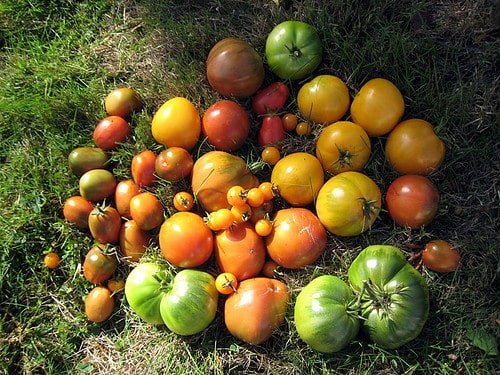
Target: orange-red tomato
column 303, row 128
column 270, row 268
column 290, row 121
column 76, row 210
column 143, row 168
column 440, row 256
column 236, row 196
column 104, row 224
column 110, row 131
column 52, row 260
column 122, row 102
column 147, row 210
column 125, row 191
column 268, row 190
column 271, row 155
column 115, row 286
column 263, row 227
column 241, row 213
column 99, row 266
column 133, row 240
column 226, row 283
column 221, row 219
column 183, row 201
column 255, row 197
column 174, row 164
column 99, row 304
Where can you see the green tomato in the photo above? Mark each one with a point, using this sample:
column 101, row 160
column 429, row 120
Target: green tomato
column 97, row 184
column 83, row 159
column 394, row 297
column 324, row 315
column 293, row 50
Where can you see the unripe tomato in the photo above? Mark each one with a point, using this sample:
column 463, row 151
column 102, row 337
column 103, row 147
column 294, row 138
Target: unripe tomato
column 122, row 102
column 83, row 159
column 97, row 184
column 76, row 210
column 99, row 304
column 110, row 131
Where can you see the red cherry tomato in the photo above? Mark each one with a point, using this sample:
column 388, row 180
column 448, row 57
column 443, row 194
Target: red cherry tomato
column 271, row 131
column 271, row 99
column 110, row 131
column 440, row 256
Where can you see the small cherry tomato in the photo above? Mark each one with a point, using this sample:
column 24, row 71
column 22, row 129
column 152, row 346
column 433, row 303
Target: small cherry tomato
column 115, row 286
column 221, row 219
column 303, row 128
column 122, row 101
column 263, row 227
column 226, row 283
column 271, row 155
column 52, row 260
column 242, row 213
column 236, row 196
column 290, row 121
column 262, row 212
column 440, row 256
column 268, row 190
column 255, row 197
column 270, row 268
column 183, row 201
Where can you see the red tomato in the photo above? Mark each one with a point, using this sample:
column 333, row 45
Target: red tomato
column 99, row 304
column 143, row 168
column 104, row 224
column 271, row 131
column 226, row 125
column 174, row 164
column 270, row 268
column 99, row 266
column 122, row 102
column 147, row 210
column 52, row 260
column 271, row 99
column 110, row 131
column 440, row 256
column 133, row 240
column 125, row 191
column 412, row 201
column 76, row 210
column 185, row 240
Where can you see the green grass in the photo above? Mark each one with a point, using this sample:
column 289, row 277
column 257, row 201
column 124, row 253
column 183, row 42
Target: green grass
column 60, row 59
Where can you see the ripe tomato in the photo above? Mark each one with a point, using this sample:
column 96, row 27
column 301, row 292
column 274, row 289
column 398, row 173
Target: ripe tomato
column 185, row 240
column 221, row 219
column 98, row 265
column 271, row 131
column 268, row 190
column 104, row 224
column 147, row 210
column 263, row 227
column 174, row 164
column 261, row 212
column 177, row 123
column 97, row 184
column 110, row 131
column 76, row 210
column 183, row 201
column 343, row 146
column 271, row 99
column 413, row 147
column 143, row 168
column 298, row 178
column 412, row 201
column 298, row 238
column 255, row 197
column 240, row 251
column 226, row 283
column 348, row 203
column 270, row 268
column 122, row 102
column 440, row 256
column 115, row 286
column 99, row 304
column 52, row 260
column 290, row 121
column 133, row 240
column 271, row 155
column 303, row 128
column 125, row 191
column 234, row 68
column 226, row 125
column 236, row 196
column 83, row 159
column 324, row 99
column 241, row 213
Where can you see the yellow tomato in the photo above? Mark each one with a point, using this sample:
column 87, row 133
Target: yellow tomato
column 177, row 124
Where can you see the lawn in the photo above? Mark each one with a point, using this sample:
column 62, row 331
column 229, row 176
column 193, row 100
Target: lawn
column 60, row 59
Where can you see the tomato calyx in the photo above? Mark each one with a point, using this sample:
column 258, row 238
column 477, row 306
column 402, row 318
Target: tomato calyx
column 369, row 208
column 294, row 51
column 165, row 279
column 373, row 297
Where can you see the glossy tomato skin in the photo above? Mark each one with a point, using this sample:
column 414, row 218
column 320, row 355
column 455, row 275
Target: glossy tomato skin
column 99, row 304
column 124, row 192
column 105, row 224
column 298, row 238
column 185, row 240
column 348, row 203
column 147, row 210
column 412, row 201
column 52, row 260
column 256, row 309
column 122, row 101
column 76, row 210
column 174, row 164
column 343, row 146
column 133, row 240
column 271, row 99
column 98, row 266
column 440, row 256
column 394, row 296
column 97, row 184
column 298, row 178
column 324, row 99
column 177, row 123
column 240, row 250
column 413, row 147
column 143, row 168
column 83, row 159
column 377, row 107
column 226, row 125
column 271, row 131
column 110, row 131
column 323, row 316
column 234, row 68
column 293, row 50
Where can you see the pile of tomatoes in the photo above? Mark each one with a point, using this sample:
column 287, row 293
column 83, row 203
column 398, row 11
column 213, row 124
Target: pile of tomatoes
column 229, row 218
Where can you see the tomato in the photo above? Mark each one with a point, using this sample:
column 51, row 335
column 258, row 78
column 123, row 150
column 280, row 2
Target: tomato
column 122, row 102
column 226, row 283
column 147, row 210
column 255, row 197
column 303, row 128
column 394, row 297
column 263, row 227
column 177, row 123
column 440, row 256
column 143, row 168
column 241, row 213
column 97, row 184
column 115, row 286
column 104, row 224
column 271, row 155
column 52, row 260
column 174, row 164
column 183, row 201
column 240, row 250
column 343, row 146
column 377, row 107
column 271, row 131
column 413, row 147
column 412, row 201
column 323, row 314
column 214, row 173
column 186, row 303
column 298, row 238
column 124, row 192
column 133, row 240
column 290, row 121
column 236, row 196
column 185, row 240
column 293, row 50
column 256, row 309
column 271, row 99
column 270, row 268
column 348, row 203
column 234, row 68
column 76, row 210
column 268, row 190
column 261, row 212
column 110, row 131
column 221, row 219
column 83, row 159
column 99, row 304
column 226, row 125
column 98, row 265
column 298, row 178
column 324, row 99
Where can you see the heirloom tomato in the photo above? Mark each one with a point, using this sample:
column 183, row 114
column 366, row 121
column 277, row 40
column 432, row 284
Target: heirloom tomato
column 440, row 256
column 133, row 240
column 99, row 304
column 110, row 131
column 97, row 184
column 270, row 155
column 147, row 210
column 271, row 99
column 271, row 131
column 124, row 192
column 52, row 260
column 83, row 159
column 183, row 201
column 143, row 168
column 98, row 265
column 122, row 101
column 226, row 283
column 174, row 164
column 104, row 224
column 76, row 210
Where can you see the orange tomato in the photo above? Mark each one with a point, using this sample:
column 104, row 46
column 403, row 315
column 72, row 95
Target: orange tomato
column 143, row 168
column 52, row 260
column 290, row 121
column 226, row 283
column 99, row 304
column 147, row 210
column 271, row 155
column 183, row 201
column 125, row 191
column 303, row 128
column 133, row 240
column 76, row 210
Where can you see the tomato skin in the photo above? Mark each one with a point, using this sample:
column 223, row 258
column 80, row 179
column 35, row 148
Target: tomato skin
column 99, row 304
column 52, row 260
column 271, row 99
column 147, row 210
column 97, row 184
column 122, row 101
column 143, row 168
column 377, row 107
column 174, row 164
column 226, row 283
column 293, row 50
column 110, row 131
column 303, row 128
column 290, row 121
column 76, row 210
column 105, row 224
column 183, row 201
column 83, row 159
column 343, row 146
column 256, row 309
column 234, row 68
column 271, row 131
column 298, row 238
column 348, row 203
column 115, row 286
column 177, row 123
column 240, row 250
column 185, row 240
column 124, row 192
column 440, row 256
column 298, row 178
column 412, row 201
column 394, row 295
column 133, row 240
column 270, row 268
column 271, row 155
column 226, row 125
column 322, row 315
column 323, row 100
column 98, row 267
column 413, row 147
